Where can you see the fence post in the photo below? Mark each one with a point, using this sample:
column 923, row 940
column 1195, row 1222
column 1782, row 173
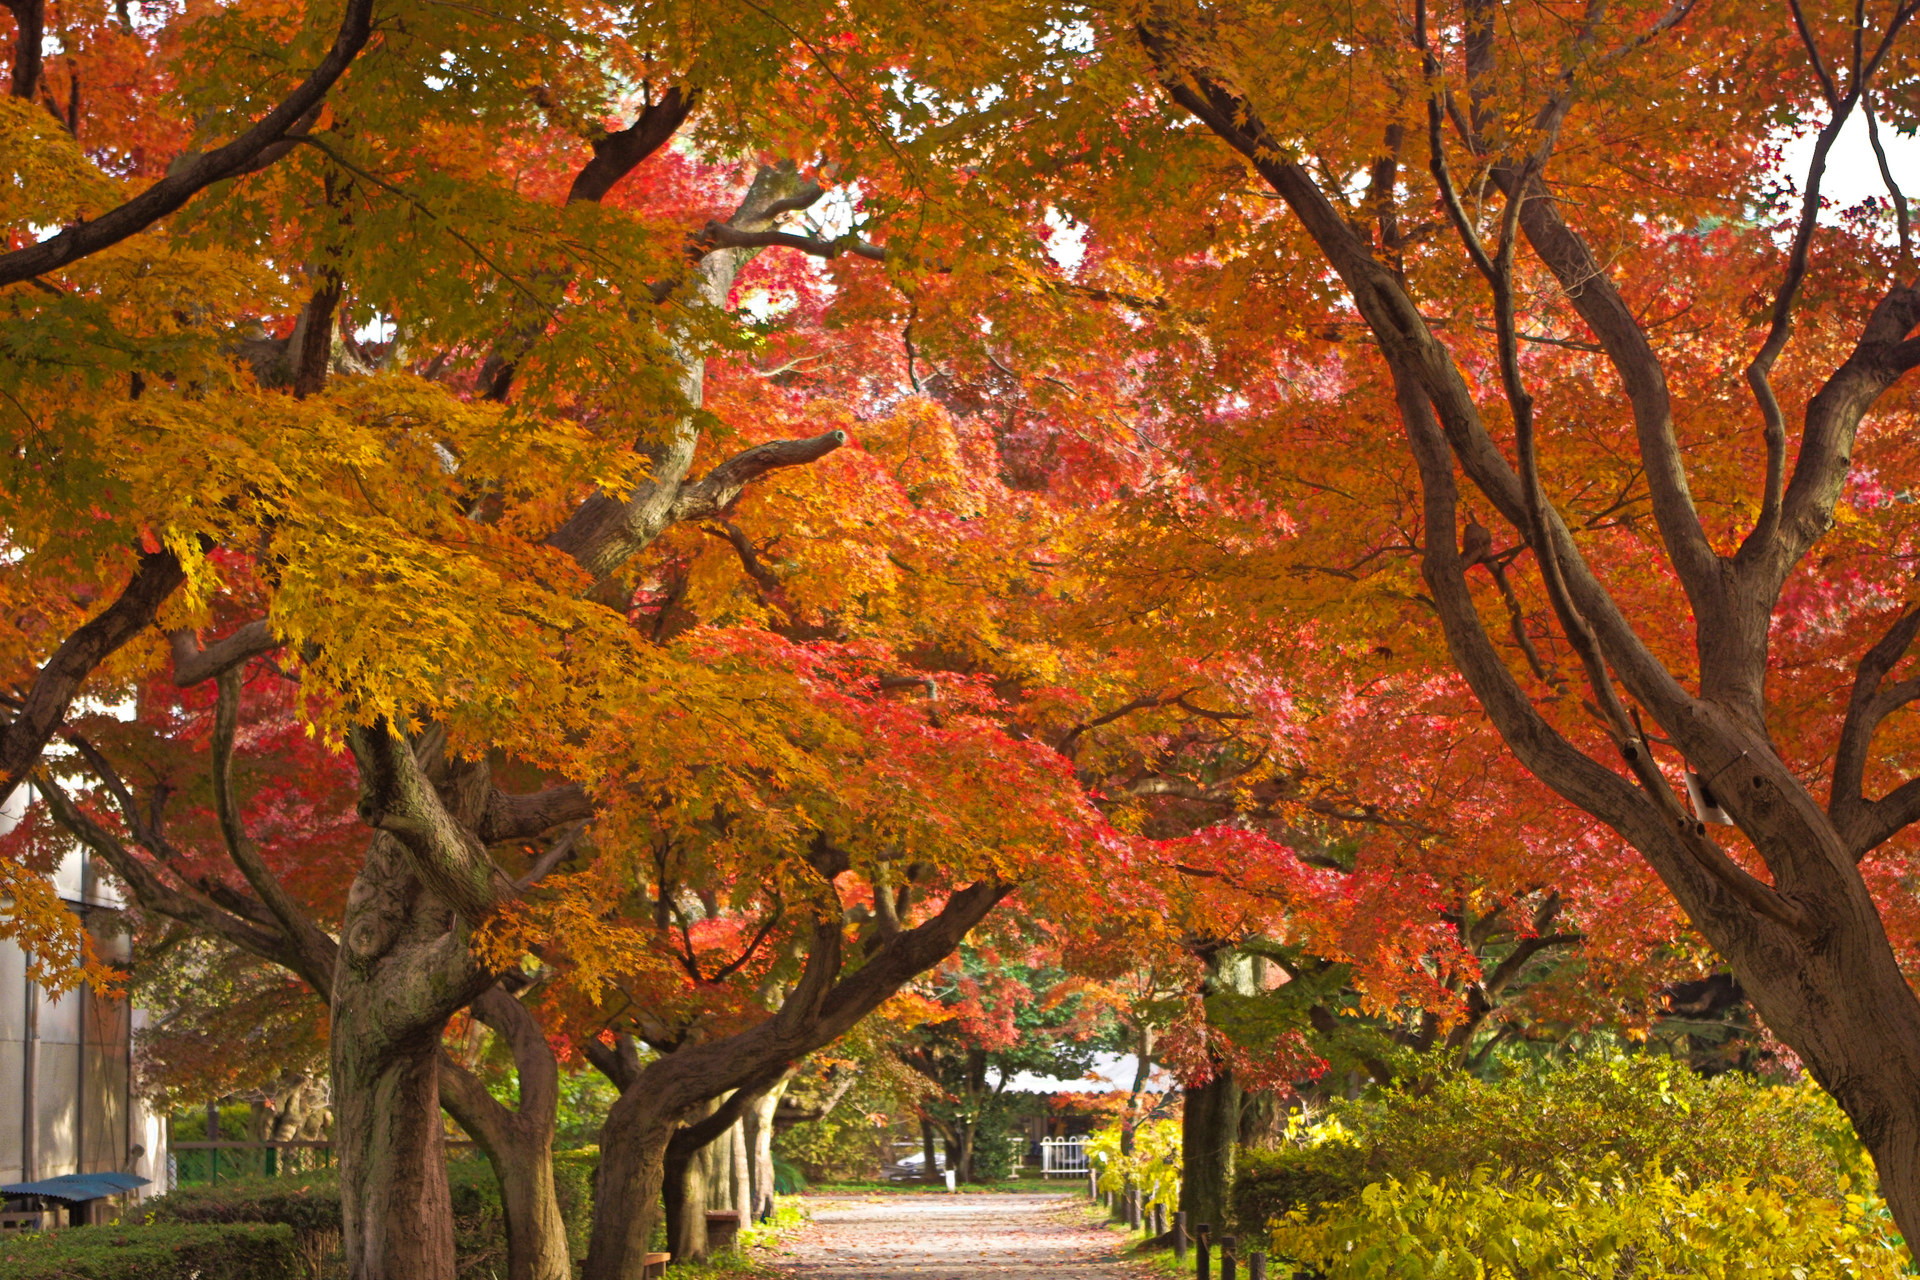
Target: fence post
column 1256, row 1266
column 1093, row 1183
column 1180, row 1235
column 1133, row 1208
column 1159, row 1219
column 1203, row 1252
column 1227, row 1259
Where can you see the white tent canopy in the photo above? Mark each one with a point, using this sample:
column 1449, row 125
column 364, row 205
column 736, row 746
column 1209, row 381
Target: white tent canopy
column 1110, row 1073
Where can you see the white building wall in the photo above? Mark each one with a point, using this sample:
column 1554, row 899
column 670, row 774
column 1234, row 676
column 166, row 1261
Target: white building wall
column 66, row 1100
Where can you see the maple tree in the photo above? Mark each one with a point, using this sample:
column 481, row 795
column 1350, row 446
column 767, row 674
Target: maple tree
column 729, row 499
column 474, row 504
column 1544, row 248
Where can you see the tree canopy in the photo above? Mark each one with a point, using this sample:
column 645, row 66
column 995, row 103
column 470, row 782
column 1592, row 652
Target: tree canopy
column 1373, row 531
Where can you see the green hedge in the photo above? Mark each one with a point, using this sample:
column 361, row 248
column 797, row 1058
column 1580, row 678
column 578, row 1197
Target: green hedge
column 1560, row 1126
column 307, row 1204
column 179, row 1251
column 1495, row 1226
column 311, row 1206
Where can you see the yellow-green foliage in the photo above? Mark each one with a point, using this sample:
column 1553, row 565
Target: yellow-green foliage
column 1153, row 1166
column 1494, row 1226
column 1626, row 1113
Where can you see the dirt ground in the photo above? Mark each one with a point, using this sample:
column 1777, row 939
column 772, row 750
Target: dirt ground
column 957, row 1237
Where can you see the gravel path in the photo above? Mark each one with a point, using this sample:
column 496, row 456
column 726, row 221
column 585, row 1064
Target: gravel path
column 957, row 1237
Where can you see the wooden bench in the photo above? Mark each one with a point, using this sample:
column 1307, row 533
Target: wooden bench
column 723, row 1228
column 655, row 1264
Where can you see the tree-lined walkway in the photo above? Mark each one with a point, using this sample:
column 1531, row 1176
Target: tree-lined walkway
column 957, row 1237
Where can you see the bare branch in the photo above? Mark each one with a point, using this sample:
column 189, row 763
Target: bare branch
column 1759, row 544
column 1863, row 823
column 718, row 235
column 716, row 491
column 1812, row 46
column 155, row 895
column 553, row 857
column 192, row 663
column 1901, row 218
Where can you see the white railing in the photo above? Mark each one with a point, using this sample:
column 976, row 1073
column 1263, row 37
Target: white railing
column 1063, row 1157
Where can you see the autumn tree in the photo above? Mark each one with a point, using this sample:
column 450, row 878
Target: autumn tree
column 1543, row 250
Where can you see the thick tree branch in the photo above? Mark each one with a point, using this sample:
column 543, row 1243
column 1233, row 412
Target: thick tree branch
column 619, row 1062
column 509, row 818
column 493, row 1124
column 396, row 797
column 618, row 154
column 714, row 492
column 693, row 1137
column 605, row 531
column 192, row 663
column 199, row 172
column 719, row 235
column 46, row 703
column 30, row 22
column 301, row 931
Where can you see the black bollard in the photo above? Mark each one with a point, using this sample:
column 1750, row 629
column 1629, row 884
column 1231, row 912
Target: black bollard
column 1203, row 1252
column 1256, row 1266
column 1228, row 1262
column 1180, row 1236
column 1159, row 1220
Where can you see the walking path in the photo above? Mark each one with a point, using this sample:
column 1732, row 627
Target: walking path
column 980, row 1236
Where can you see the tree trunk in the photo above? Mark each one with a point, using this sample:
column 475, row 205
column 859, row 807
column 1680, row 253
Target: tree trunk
column 403, row 970
column 1209, row 1123
column 518, row 1143
column 627, row 1190
column 821, row 1007
column 684, row 1184
column 742, row 1174
column 396, row 1219
column 759, row 1134
column 928, row 1151
column 963, row 1158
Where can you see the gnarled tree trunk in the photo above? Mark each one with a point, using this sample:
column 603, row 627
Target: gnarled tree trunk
column 1209, row 1127
column 685, row 1189
column 404, row 970
column 645, row 1120
column 518, row 1142
column 396, row 1219
column 758, row 1125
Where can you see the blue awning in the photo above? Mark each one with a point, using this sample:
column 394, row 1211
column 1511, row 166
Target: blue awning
column 78, row 1187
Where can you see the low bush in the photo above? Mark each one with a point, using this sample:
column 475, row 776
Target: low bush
column 1493, row 1226
column 311, row 1206
column 1560, row 1126
column 176, row 1251
column 306, row 1204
